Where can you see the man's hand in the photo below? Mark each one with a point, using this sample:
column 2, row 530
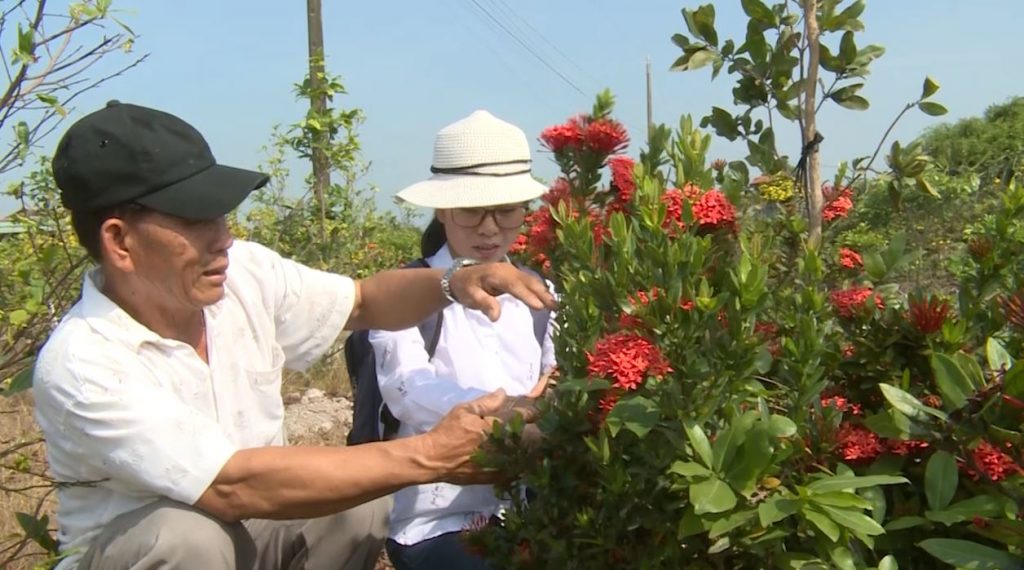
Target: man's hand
column 458, row 436
column 477, row 285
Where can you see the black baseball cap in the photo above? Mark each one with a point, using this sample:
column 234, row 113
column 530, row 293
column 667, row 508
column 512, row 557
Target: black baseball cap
column 126, row 153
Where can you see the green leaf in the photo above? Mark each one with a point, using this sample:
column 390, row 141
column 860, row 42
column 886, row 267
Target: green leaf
column 1013, row 381
column 950, row 379
column 712, row 496
column 874, row 265
column 888, row 563
column 689, row 469
column 37, row 529
column 847, row 49
column 729, row 439
column 841, row 499
column 722, row 526
column 22, row 381
column 929, row 88
column 932, row 108
column 855, row 103
column 908, row 404
column 781, row 426
column 759, row 12
column 967, row 554
column 775, row 509
column 824, row 524
column 858, row 523
column 842, row 557
column 701, row 23
column 699, row 442
column 926, row 187
column 18, row 317
column 979, row 505
column 850, row 482
column 940, row 480
column 998, row 357
column 637, row 414
column 971, row 368
column 905, row 523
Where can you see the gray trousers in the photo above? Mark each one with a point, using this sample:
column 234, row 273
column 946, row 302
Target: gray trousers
column 169, row 535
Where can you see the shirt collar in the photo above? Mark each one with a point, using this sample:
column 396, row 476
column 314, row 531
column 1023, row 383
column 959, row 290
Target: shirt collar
column 442, row 259
column 109, row 319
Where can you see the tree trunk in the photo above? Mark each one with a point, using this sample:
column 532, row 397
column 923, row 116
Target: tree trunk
column 812, row 177
column 318, row 104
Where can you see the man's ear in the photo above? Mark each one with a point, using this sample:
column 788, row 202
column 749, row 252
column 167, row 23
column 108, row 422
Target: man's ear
column 441, row 215
column 115, row 244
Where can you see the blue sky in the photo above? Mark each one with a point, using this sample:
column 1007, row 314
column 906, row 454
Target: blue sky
column 413, row 67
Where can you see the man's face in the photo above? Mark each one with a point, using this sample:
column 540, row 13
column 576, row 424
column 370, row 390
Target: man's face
column 180, row 263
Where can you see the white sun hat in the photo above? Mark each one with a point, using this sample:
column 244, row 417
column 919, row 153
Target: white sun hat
column 478, row 161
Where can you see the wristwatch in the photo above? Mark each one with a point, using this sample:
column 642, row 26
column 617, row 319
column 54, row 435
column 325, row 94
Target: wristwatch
column 446, row 280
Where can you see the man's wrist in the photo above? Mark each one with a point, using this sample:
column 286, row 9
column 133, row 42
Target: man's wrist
column 446, row 279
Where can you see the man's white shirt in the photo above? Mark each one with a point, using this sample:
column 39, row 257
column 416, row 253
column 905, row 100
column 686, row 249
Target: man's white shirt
column 130, row 417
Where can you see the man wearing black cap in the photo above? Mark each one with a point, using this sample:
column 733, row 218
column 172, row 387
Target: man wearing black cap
column 159, row 392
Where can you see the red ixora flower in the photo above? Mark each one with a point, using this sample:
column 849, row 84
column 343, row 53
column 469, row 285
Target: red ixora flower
column 842, row 404
column 673, row 200
column 713, row 209
column 849, row 258
column 839, row 207
column 518, row 246
column 857, row 444
column 849, row 302
column 904, row 447
column 622, row 177
column 626, row 359
column 605, row 136
column 992, row 461
column 1013, row 308
column 567, row 136
column 928, row 314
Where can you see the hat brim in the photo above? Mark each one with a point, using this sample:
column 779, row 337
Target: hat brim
column 207, row 195
column 469, row 191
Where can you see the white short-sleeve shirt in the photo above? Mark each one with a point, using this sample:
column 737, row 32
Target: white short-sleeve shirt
column 130, row 417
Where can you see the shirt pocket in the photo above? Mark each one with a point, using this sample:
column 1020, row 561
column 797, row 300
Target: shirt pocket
column 266, row 372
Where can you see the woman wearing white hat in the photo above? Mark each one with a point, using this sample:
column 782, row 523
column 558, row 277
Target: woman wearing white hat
column 480, row 188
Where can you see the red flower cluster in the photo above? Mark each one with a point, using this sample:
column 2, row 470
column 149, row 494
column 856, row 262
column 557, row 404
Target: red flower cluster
column 842, row 404
column 622, row 177
column 928, row 315
column 644, row 297
column 857, row 444
column 541, row 229
column 995, row 463
column 1013, row 307
column 518, row 246
column 601, row 136
column 673, row 200
column 568, row 135
column 627, row 359
column 598, row 228
column 904, row 447
column 839, row 207
column 849, row 258
column 605, row 136
column 713, row 209
column 849, row 302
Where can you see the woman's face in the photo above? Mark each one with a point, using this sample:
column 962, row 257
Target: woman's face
column 483, row 234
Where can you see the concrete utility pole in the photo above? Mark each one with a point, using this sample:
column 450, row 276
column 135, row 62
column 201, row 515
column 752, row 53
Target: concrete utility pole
column 650, row 103
column 318, row 104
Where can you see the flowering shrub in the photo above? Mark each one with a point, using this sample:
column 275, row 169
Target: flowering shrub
column 729, row 399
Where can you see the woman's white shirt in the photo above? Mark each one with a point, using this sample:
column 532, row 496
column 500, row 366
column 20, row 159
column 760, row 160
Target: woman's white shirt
column 474, row 356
